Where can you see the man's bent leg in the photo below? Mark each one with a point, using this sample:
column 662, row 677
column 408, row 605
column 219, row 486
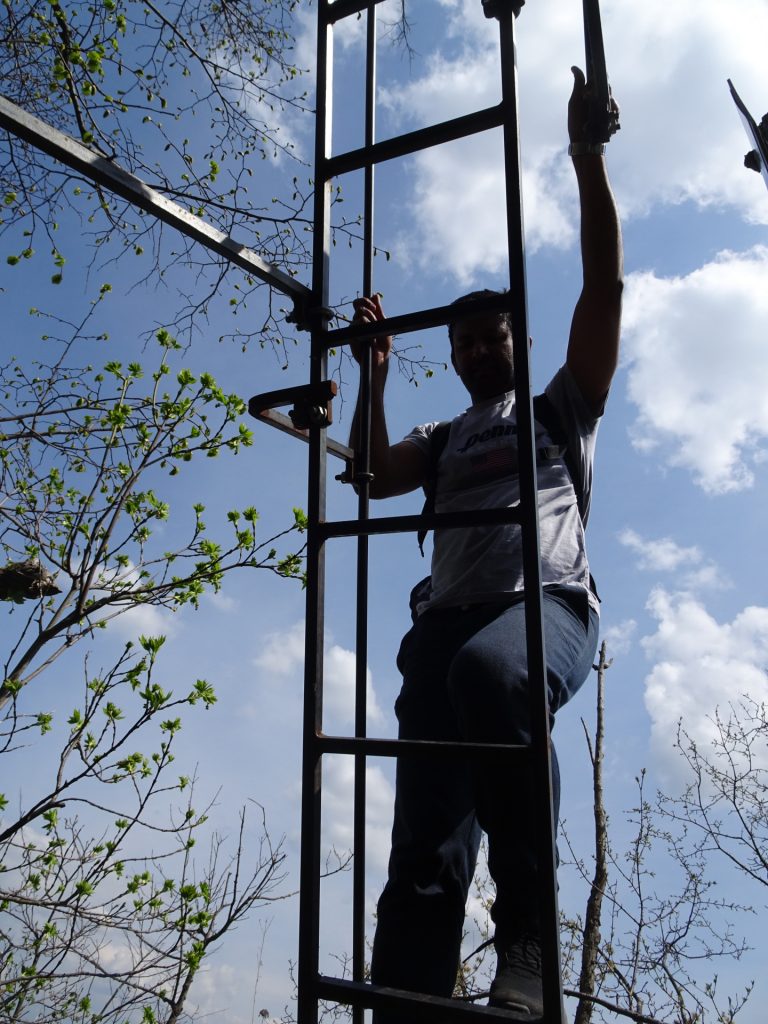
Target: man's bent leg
column 435, row 836
column 489, row 684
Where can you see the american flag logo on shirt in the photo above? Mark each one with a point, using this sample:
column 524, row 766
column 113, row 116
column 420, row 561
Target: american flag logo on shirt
column 494, row 464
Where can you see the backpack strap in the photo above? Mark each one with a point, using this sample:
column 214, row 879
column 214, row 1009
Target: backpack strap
column 547, row 415
column 438, row 439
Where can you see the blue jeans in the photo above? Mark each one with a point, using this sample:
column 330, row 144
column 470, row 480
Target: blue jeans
column 465, row 678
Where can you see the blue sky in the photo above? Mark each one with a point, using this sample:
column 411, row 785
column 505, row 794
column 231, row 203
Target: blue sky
column 676, row 535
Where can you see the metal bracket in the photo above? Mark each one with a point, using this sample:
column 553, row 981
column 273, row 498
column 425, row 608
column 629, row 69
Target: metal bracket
column 497, row 8
column 311, row 404
column 308, row 410
column 757, row 158
column 307, row 317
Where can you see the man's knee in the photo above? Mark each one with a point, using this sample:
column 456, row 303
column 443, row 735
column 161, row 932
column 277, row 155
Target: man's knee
column 489, row 694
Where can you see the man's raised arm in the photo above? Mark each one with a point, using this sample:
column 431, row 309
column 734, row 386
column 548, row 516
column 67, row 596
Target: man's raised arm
column 397, row 468
column 593, row 346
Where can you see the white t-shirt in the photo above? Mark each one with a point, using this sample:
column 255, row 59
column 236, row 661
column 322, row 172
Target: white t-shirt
column 478, row 470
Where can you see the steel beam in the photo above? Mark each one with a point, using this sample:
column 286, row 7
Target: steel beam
column 105, row 172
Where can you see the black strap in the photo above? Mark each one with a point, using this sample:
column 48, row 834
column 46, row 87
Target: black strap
column 438, row 439
column 545, row 413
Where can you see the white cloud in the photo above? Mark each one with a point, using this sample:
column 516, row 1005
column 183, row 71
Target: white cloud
column 282, row 652
column 293, row 124
column 140, row 619
column 221, row 602
column 339, row 691
column 698, row 368
column 281, row 662
column 283, row 656
column 619, row 638
column 214, row 989
column 338, row 790
column 663, row 554
column 681, row 137
column 699, row 665
column 144, row 620
column 693, row 571
column 456, row 213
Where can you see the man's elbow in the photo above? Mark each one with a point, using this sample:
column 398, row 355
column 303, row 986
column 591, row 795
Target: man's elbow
column 380, row 484
column 378, row 488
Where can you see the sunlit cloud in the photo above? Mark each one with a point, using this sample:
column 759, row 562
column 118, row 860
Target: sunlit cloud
column 282, row 656
column 619, row 638
column 699, row 665
column 663, row 554
column 697, row 368
column 338, row 783
column 145, row 620
column 694, row 572
column 339, row 691
column 681, row 138
column 282, row 653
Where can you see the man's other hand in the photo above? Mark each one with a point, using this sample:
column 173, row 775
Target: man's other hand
column 580, row 108
column 368, row 310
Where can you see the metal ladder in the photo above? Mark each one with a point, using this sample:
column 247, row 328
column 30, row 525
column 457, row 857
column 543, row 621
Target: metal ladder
column 311, row 414
column 309, row 418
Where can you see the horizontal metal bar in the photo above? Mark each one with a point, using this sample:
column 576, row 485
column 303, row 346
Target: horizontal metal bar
column 412, row 142
column 418, row 1005
column 344, row 8
column 285, row 423
column 420, row 320
column 106, row 172
column 428, row 521
column 397, row 748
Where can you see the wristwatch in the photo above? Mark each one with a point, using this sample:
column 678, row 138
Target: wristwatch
column 586, row 149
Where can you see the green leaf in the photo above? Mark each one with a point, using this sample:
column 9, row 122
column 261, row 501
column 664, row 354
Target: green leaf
column 202, row 691
column 151, row 644
column 300, row 520
column 44, row 722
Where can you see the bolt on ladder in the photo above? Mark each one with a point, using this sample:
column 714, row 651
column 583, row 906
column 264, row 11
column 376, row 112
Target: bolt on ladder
column 309, row 418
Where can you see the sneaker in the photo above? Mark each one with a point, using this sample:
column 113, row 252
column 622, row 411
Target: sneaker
column 517, row 985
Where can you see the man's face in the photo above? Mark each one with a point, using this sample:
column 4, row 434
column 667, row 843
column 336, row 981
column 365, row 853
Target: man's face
column 482, row 355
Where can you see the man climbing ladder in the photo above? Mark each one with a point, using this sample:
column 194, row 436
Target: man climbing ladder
column 464, row 661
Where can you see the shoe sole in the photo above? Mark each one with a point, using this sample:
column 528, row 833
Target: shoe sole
column 520, row 1012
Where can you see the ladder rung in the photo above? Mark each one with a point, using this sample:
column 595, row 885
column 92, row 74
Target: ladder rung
column 413, row 142
column 428, row 521
column 430, row 748
column 420, row 319
column 418, row 1005
column 340, row 9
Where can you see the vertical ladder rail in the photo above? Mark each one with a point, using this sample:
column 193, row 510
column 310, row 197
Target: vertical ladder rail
column 603, row 119
column 311, row 810
column 363, row 479
column 544, row 827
